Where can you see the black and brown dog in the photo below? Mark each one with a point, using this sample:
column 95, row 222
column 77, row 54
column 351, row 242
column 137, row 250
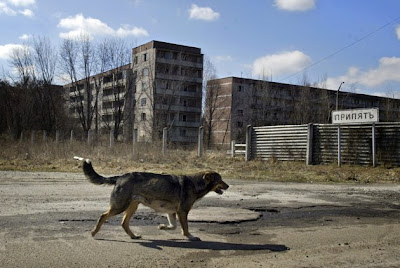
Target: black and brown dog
column 173, row 195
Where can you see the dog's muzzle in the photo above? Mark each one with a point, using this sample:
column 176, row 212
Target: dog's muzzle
column 221, row 187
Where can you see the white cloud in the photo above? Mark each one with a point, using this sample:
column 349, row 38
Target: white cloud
column 280, row 64
column 6, row 50
column 25, row 37
column 11, row 11
column 398, row 31
column 295, row 5
column 203, row 13
column 22, row 3
column 27, row 12
column 387, row 71
column 5, row 9
column 127, row 30
column 78, row 25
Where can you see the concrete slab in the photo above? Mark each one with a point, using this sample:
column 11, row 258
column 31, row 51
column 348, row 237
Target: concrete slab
column 222, row 215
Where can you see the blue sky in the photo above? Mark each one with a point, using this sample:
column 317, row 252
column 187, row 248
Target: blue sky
column 355, row 41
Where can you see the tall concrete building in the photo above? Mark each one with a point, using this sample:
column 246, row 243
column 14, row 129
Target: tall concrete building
column 168, row 91
column 161, row 88
column 233, row 103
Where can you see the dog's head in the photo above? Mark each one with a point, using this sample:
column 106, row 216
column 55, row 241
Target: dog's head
column 215, row 180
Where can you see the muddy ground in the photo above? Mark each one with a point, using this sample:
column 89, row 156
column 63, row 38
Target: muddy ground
column 46, row 218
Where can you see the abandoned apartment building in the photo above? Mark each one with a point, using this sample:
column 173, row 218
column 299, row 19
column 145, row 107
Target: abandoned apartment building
column 233, row 103
column 162, row 87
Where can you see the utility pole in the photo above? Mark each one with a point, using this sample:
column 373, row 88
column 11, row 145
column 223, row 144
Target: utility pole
column 337, row 96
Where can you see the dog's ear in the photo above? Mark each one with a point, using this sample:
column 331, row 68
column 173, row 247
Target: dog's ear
column 209, row 176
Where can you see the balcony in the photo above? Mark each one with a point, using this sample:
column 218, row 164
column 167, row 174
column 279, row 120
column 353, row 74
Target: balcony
column 180, row 62
column 187, row 124
column 179, row 78
column 179, row 93
column 178, row 108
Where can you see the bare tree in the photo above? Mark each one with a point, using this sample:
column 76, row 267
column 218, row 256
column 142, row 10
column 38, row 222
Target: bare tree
column 118, row 84
column 77, row 60
column 35, row 64
column 211, row 99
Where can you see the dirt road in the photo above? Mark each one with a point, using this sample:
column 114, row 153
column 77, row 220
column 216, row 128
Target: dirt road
column 46, row 218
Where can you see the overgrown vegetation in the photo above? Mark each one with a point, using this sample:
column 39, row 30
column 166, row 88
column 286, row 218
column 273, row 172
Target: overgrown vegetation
column 49, row 156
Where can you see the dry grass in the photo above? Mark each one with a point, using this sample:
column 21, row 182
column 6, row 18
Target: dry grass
column 148, row 157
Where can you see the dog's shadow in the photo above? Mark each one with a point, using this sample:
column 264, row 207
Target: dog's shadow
column 209, row 245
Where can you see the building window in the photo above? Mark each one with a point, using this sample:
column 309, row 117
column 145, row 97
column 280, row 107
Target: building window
column 239, row 124
column 240, row 112
column 145, row 57
column 143, row 102
column 144, row 86
column 182, row 132
column 145, row 72
column 240, row 88
column 143, row 116
column 184, row 118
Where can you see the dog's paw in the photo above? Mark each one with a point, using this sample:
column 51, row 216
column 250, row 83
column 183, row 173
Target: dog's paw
column 162, row 226
column 136, row 236
column 193, row 238
column 166, row 227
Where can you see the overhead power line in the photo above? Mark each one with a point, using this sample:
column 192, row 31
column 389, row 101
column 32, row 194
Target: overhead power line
column 343, row 48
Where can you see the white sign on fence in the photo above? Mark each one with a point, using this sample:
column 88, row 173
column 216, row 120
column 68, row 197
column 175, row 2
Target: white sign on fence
column 355, row 116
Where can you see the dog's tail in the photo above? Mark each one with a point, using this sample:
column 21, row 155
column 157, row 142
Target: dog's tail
column 92, row 175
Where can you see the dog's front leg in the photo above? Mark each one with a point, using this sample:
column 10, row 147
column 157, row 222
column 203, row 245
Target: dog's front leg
column 172, row 222
column 185, row 228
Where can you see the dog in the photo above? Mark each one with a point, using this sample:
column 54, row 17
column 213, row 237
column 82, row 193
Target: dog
column 173, row 195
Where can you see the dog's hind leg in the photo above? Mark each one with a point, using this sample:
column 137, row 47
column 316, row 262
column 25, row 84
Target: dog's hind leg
column 103, row 218
column 172, row 222
column 185, row 228
column 125, row 221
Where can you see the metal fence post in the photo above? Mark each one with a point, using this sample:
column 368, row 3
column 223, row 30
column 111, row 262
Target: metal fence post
column 134, row 141
column 111, row 138
column 44, row 136
column 310, row 130
column 233, row 144
column 339, row 154
column 200, row 142
column 248, row 143
column 89, row 138
column 71, row 139
column 164, row 140
column 373, row 145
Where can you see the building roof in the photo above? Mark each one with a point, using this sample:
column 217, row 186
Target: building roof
column 235, row 79
column 165, row 45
